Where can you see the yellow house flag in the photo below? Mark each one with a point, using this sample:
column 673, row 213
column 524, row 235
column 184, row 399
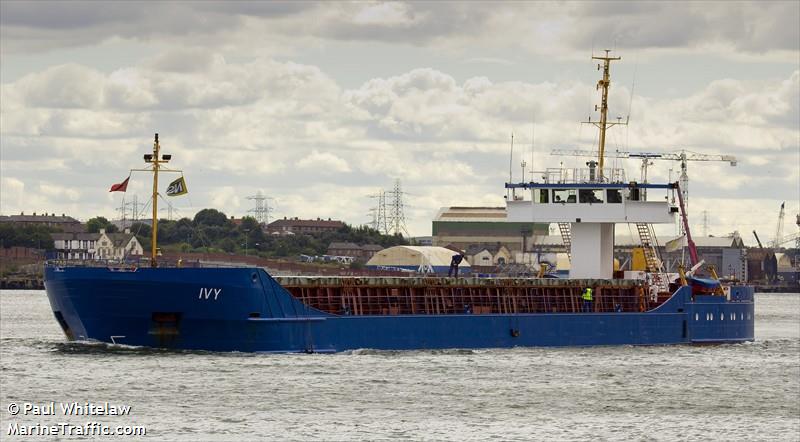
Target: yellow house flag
column 177, row 187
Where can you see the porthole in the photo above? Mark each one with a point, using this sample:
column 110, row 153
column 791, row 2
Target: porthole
column 721, row 316
column 710, row 316
column 733, row 316
column 741, row 316
column 697, row 316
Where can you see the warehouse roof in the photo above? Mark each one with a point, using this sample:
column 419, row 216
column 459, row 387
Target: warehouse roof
column 414, row 256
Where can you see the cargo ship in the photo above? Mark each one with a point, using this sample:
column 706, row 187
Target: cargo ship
column 246, row 309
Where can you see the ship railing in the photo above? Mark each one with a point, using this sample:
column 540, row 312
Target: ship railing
column 131, row 263
column 580, row 175
column 90, row 262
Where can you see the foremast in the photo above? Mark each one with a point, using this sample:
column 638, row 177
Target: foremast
column 156, row 159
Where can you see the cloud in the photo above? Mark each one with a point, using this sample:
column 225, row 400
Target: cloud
column 225, row 197
column 323, row 162
column 553, row 28
column 12, row 194
column 235, row 125
column 59, row 192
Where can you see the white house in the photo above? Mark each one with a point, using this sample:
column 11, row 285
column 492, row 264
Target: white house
column 488, row 255
column 76, row 245
column 87, row 246
column 118, row 245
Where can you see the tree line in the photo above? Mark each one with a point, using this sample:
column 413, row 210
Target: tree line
column 210, row 231
column 37, row 237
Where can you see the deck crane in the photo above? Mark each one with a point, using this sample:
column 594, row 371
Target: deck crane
column 684, row 156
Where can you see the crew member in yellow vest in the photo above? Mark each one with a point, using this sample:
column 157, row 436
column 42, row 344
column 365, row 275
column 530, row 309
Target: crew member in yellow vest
column 587, row 299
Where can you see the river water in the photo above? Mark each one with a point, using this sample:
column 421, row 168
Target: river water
column 726, row 392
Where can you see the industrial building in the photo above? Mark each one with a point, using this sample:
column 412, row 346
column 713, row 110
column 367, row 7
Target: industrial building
column 726, row 253
column 483, row 227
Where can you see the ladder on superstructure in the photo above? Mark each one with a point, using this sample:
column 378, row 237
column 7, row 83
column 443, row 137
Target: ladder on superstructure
column 650, row 248
column 566, row 238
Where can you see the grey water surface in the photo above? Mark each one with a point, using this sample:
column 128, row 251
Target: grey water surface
column 725, row 392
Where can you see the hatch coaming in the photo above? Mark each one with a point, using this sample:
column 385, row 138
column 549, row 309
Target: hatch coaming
column 448, row 296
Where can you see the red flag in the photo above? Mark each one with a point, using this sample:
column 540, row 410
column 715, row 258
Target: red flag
column 121, row 187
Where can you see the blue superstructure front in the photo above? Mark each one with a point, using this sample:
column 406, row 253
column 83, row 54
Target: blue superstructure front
column 244, row 309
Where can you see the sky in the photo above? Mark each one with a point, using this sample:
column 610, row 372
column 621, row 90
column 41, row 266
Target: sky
column 321, row 105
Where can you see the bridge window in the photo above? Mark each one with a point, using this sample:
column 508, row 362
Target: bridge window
column 590, row 196
column 564, row 196
column 541, row 196
column 613, row 196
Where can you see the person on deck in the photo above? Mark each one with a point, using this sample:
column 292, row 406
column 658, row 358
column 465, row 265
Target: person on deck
column 587, row 299
column 454, row 262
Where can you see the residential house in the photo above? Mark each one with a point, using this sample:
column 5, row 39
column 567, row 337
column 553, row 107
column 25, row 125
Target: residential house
column 369, row 250
column 118, row 245
column 357, row 252
column 488, row 255
column 296, row 226
column 67, row 224
column 88, row 246
column 344, row 249
column 75, row 245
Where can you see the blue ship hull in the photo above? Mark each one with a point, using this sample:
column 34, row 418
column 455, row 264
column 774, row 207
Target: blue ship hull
column 244, row 309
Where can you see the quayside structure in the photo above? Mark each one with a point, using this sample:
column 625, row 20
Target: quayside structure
column 161, row 304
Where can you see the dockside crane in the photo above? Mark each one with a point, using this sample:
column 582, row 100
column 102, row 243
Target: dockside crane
column 684, row 156
column 779, row 229
column 758, row 240
column 785, row 239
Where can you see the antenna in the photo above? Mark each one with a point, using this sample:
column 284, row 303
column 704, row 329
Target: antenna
column 510, row 164
column 630, row 104
column 533, row 143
